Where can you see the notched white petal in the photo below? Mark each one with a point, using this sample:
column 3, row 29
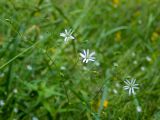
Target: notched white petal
column 82, row 55
column 62, row 35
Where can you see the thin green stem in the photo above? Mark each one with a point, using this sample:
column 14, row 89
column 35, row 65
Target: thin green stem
column 15, row 57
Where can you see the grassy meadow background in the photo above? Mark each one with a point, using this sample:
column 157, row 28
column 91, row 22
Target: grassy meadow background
column 44, row 78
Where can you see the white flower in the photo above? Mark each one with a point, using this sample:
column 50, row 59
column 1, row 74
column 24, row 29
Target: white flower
column 130, row 85
column 15, row 91
column 115, row 64
column 115, row 91
column 15, row 110
column 86, row 56
column 133, row 54
column 135, row 62
column 29, row 67
column 117, row 85
column 63, row 68
column 148, row 59
column 41, row 37
column 34, row 118
column 143, row 68
column 1, row 103
column 67, row 35
column 1, row 75
column 139, row 109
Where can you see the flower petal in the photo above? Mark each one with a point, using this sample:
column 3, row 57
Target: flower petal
column 62, row 34
column 87, row 52
column 133, row 91
column 133, row 81
column 127, row 82
column 126, row 87
column 71, row 37
column 92, row 54
column 66, row 39
column 136, row 87
column 130, row 91
column 82, row 55
column 84, row 60
column 66, row 31
column 91, row 59
column 84, row 52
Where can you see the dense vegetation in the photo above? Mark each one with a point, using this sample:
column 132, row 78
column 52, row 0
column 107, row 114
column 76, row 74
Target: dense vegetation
column 42, row 77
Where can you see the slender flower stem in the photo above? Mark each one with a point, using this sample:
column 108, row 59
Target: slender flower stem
column 15, row 57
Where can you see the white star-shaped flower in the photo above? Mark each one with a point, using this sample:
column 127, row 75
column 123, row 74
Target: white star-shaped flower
column 139, row 109
column 130, row 86
column 86, row 56
column 1, row 103
column 67, row 35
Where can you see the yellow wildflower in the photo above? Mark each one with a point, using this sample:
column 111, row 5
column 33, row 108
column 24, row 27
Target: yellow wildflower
column 118, row 36
column 154, row 36
column 105, row 103
column 116, row 3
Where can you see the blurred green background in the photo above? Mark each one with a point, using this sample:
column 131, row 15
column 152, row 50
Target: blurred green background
column 43, row 78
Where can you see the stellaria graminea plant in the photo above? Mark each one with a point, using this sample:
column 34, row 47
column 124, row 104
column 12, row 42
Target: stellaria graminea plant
column 86, row 56
column 130, row 86
column 67, row 35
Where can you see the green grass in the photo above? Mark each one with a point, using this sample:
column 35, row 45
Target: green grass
column 51, row 80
